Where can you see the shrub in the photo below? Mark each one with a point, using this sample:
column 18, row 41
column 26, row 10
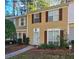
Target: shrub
column 63, row 43
column 52, row 46
column 19, row 41
column 43, row 46
column 72, row 43
column 26, row 41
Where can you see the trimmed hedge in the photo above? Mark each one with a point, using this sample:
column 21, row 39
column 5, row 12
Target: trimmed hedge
column 26, row 41
column 45, row 46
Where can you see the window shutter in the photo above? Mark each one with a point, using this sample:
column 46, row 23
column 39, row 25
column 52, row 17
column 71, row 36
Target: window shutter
column 45, row 37
column 61, row 34
column 40, row 17
column 60, row 14
column 46, row 16
column 32, row 17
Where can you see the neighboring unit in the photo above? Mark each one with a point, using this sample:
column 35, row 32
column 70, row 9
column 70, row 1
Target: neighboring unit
column 20, row 23
column 71, row 21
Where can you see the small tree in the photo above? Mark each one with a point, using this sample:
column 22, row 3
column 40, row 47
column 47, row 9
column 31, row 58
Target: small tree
column 38, row 4
column 10, row 29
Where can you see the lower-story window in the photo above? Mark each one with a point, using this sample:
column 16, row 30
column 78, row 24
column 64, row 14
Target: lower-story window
column 54, row 36
column 18, row 35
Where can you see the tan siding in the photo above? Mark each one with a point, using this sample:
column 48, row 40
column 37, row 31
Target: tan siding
column 43, row 26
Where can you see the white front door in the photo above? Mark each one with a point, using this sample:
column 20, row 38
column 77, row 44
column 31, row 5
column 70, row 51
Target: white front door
column 36, row 36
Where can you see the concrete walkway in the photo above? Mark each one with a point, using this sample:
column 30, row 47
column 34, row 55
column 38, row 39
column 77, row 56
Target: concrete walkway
column 18, row 52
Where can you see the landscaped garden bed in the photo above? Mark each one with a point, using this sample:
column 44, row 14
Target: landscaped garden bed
column 48, row 51
column 46, row 54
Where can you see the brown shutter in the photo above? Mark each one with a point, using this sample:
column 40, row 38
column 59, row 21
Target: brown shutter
column 46, row 16
column 45, row 37
column 40, row 17
column 61, row 34
column 60, row 14
column 32, row 18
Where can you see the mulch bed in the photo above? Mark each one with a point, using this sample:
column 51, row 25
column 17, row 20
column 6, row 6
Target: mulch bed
column 12, row 48
column 37, row 53
column 51, row 51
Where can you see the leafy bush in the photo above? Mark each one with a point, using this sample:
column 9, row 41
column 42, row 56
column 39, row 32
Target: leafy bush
column 53, row 46
column 44, row 46
column 72, row 42
column 26, row 41
column 19, row 41
column 63, row 43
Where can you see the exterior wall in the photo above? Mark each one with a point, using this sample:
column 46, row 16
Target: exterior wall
column 21, row 29
column 71, row 12
column 71, row 21
column 71, row 32
column 43, row 26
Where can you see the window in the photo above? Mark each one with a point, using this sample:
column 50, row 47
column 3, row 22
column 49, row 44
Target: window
column 36, row 18
column 22, row 22
column 53, row 15
column 18, row 35
column 54, row 37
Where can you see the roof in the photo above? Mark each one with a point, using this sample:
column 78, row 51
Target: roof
column 49, row 8
column 13, row 17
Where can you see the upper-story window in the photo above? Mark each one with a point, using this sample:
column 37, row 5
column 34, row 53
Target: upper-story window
column 22, row 22
column 36, row 18
column 54, row 15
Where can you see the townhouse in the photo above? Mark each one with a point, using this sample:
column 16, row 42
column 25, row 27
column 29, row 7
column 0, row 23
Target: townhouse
column 49, row 25
column 46, row 25
column 20, row 23
column 71, row 21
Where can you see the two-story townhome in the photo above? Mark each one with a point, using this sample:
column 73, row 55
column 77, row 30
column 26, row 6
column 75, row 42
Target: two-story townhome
column 20, row 23
column 48, row 25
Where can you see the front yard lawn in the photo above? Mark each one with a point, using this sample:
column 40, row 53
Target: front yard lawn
column 12, row 48
column 46, row 54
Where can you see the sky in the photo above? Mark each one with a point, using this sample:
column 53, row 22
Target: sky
column 8, row 6
column 10, row 10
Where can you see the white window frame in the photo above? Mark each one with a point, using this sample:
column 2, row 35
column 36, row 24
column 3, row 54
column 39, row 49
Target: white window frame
column 36, row 18
column 52, row 30
column 18, row 36
column 23, row 21
column 54, row 14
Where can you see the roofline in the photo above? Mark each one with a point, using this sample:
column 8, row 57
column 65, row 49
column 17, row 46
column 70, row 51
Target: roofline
column 49, row 8
column 13, row 17
column 37, row 11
